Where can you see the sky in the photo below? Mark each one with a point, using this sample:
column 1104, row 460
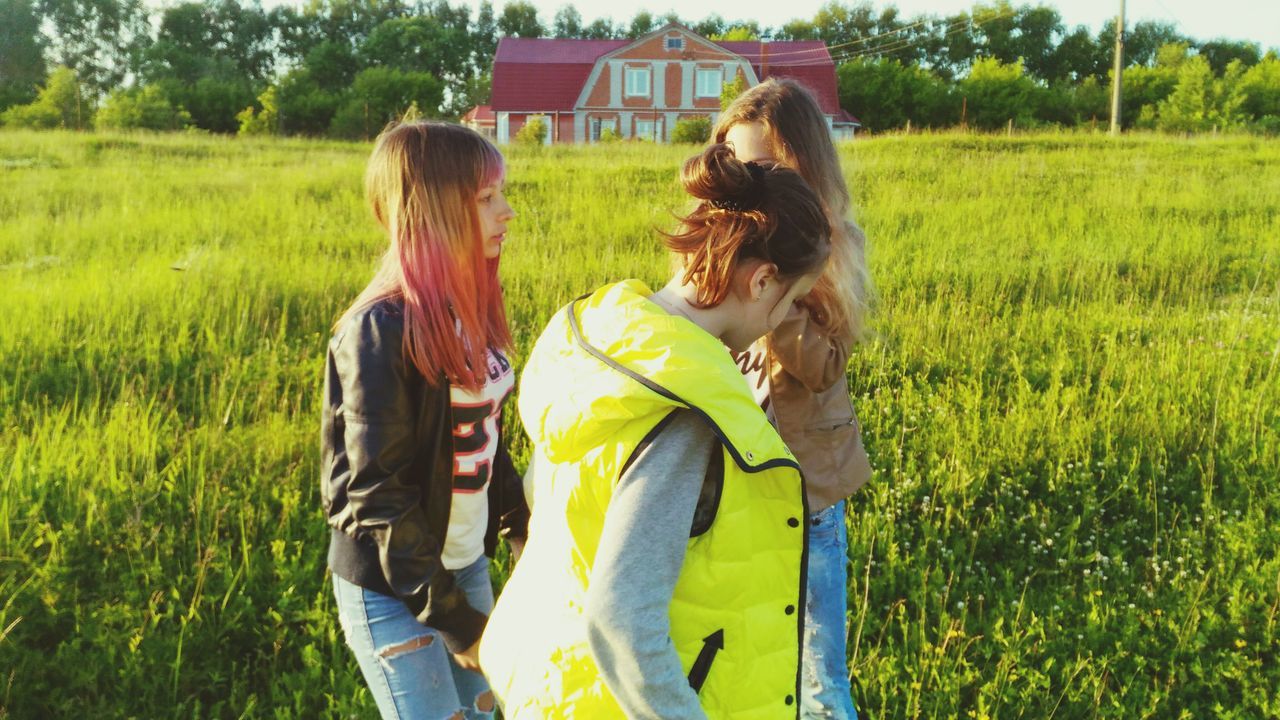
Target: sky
column 1256, row 20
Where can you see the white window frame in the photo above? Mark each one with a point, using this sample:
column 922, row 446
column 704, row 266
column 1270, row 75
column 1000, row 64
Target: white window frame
column 632, row 75
column 701, row 73
column 599, row 125
column 655, row 130
column 673, row 42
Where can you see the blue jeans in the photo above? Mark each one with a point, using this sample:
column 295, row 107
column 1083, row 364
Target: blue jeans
column 824, row 690
column 410, row 673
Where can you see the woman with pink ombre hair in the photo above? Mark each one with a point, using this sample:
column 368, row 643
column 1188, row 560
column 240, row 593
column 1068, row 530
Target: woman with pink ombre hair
column 416, row 481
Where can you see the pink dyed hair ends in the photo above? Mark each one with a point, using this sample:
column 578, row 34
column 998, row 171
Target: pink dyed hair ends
column 421, row 183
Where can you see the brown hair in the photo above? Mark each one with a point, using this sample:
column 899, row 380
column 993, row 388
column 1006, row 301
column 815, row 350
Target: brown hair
column 746, row 211
column 798, row 136
column 421, row 183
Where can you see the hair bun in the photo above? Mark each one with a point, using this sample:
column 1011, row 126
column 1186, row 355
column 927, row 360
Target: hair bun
column 751, row 197
column 717, row 177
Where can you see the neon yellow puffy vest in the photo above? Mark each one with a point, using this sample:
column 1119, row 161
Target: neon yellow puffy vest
column 605, row 372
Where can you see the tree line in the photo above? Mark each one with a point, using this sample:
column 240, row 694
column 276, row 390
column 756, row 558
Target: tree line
column 342, row 68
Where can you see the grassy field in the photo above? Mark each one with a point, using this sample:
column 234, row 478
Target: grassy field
column 1070, row 396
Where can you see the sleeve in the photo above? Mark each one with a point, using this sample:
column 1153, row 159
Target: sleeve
column 380, row 437
column 508, row 510
column 641, row 551
column 808, row 352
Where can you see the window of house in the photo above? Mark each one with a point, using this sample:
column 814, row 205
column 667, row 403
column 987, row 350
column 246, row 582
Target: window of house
column 675, row 43
column 649, row 129
column 709, row 82
column 599, row 125
column 637, row 82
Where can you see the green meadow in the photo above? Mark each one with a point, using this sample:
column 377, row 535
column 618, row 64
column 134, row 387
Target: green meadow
column 1069, row 392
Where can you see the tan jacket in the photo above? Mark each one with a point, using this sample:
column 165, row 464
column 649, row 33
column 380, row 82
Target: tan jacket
column 809, row 393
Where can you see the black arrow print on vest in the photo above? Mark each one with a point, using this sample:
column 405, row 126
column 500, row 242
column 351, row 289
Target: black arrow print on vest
column 711, row 645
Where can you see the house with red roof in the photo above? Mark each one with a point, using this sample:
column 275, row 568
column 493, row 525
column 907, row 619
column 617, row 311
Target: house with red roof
column 642, row 88
column 481, row 119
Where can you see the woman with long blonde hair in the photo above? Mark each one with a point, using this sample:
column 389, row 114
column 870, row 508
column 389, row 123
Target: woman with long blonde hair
column 415, row 479
column 797, row 372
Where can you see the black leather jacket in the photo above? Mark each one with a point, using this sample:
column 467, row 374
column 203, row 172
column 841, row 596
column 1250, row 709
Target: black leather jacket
column 387, row 476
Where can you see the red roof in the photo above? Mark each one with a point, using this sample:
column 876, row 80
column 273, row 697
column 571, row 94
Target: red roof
column 547, row 50
column 805, row 61
column 543, row 74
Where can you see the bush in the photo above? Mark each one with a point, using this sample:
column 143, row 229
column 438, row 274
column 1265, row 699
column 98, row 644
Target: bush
column 609, row 135
column 145, row 108
column 58, row 104
column 264, row 122
column 694, row 131
column 534, row 131
column 731, row 90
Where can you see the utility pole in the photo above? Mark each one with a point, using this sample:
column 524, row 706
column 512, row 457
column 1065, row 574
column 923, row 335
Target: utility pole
column 1116, row 73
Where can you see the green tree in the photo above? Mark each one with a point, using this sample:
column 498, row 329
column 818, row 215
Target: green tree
column 1261, row 88
column 837, row 23
column 380, row 95
column 22, row 66
column 1221, row 52
column 1202, row 102
column 712, row 24
column 641, row 24
column 1142, row 44
column 144, row 108
column 59, row 104
column 738, row 33
column 998, row 92
column 600, row 29
column 104, row 41
column 477, row 91
column 886, row 94
column 694, row 131
column 795, row 30
column 422, row 43
column 1078, row 56
column 567, row 23
column 210, row 57
column 960, row 47
column 484, row 36
column 520, row 19
column 305, row 106
column 1146, row 87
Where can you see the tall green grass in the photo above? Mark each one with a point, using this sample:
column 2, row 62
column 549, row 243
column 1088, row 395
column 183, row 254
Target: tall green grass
column 1069, row 393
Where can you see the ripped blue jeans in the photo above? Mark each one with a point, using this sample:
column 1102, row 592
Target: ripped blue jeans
column 824, row 687
column 410, row 673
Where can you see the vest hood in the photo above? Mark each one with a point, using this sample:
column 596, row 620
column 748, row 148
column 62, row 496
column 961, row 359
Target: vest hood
column 613, row 357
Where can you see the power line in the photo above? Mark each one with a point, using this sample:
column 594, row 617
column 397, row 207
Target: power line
column 954, row 28
column 951, row 29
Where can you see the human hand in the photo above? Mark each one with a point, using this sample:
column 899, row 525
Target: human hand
column 469, row 659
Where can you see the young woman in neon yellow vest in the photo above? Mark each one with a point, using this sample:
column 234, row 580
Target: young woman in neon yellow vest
column 664, row 572
column 797, row 372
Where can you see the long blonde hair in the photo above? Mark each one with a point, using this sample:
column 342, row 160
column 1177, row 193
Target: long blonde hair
column 421, row 183
column 797, row 135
